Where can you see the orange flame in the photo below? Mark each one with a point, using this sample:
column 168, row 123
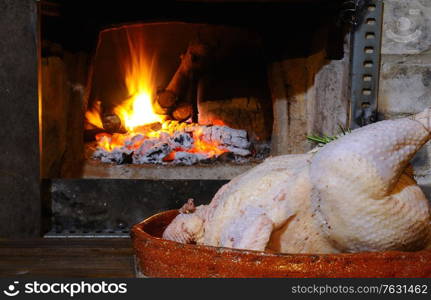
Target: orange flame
column 138, row 110
column 110, row 142
column 218, row 122
column 202, row 146
column 104, row 141
column 93, row 115
column 139, row 78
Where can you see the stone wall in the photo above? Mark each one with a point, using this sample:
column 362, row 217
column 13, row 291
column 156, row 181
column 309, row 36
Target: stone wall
column 405, row 78
column 310, row 97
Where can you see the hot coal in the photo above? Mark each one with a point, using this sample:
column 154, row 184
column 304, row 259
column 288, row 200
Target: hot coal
column 175, row 143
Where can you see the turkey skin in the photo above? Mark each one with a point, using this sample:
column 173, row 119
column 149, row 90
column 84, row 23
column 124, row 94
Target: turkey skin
column 355, row 194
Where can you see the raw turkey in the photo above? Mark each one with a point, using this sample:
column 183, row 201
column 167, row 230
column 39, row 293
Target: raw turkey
column 355, row 194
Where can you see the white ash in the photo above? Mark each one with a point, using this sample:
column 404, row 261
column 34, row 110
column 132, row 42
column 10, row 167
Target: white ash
column 136, row 139
column 186, row 158
column 262, row 149
column 238, row 151
column 226, row 136
column 118, row 155
column 154, row 154
column 240, row 159
column 146, row 146
column 182, row 140
column 222, row 135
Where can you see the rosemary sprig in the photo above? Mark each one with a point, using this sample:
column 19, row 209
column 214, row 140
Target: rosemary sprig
column 344, row 131
column 325, row 139
column 321, row 139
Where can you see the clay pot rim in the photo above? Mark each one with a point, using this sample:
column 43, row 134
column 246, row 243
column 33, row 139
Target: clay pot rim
column 139, row 234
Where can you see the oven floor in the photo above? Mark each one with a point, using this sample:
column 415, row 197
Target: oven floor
column 63, row 258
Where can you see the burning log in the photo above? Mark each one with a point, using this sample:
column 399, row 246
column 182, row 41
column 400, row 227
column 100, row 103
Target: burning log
column 193, row 63
column 174, row 143
column 187, row 158
column 166, row 100
column 154, row 154
column 234, row 140
column 112, row 123
column 182, row 140
column 145, row 129
column 182, row 112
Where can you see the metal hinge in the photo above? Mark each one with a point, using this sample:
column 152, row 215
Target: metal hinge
column 365, row 63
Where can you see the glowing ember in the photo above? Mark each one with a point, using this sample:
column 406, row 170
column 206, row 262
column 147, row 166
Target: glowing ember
column 175, row 143
column 204, row 147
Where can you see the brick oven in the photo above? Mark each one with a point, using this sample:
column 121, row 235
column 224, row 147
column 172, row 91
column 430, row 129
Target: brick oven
column 75, row 165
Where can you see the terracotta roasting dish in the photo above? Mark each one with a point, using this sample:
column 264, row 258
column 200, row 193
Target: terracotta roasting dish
column 156, row 257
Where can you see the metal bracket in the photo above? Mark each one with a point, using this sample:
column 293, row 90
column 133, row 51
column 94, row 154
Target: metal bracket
column 365, row 65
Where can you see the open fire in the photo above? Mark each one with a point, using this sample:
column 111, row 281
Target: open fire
column 140, row 135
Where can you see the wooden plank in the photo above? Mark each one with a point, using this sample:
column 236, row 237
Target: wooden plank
column 100, row 273
column 64, row 251
column 64, row 242
column 66, row 258
column 20, row 213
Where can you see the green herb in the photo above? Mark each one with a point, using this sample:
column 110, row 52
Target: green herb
column 325, row 139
